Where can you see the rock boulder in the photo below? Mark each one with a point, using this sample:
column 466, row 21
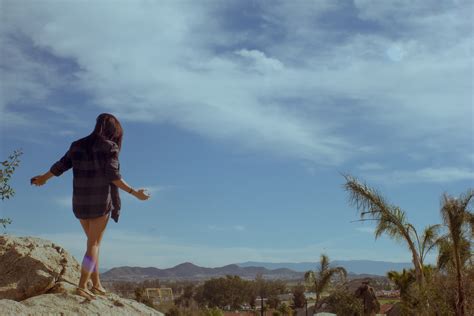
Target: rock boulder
column 32, row 266
column 38, row 277
column 68, row 304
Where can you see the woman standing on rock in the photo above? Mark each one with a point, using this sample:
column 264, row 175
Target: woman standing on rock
column 96, row 179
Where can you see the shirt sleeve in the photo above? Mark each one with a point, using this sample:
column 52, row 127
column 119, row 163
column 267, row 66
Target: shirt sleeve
column 62, row 165
column 112, row 164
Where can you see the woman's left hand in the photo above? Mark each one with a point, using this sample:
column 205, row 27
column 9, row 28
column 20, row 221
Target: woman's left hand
column 38, row 180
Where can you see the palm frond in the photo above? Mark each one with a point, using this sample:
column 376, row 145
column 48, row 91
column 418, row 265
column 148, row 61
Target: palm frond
column 339, row 270
column 309, row 276
column 454, row 216
column 368, row 201
column 391, row 220
column 429, row 239
column 445, row 260
column 402, row 279
column 466, row 198
column 324, row 264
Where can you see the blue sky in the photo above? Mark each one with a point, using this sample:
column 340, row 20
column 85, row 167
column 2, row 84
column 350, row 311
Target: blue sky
column 240, row 117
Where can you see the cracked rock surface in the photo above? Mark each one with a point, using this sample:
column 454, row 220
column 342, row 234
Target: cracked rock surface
column 40, row 277
column 32, row 266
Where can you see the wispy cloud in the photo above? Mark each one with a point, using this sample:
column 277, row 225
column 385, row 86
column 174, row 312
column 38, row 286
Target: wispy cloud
column 223, row 228
column 239, row 227
column 260, row 62
column 370, row 166
column 366, row 229
column 159, row 188
column 151, row 189
column 424, row 175
column 63, row 201
column 279, row 98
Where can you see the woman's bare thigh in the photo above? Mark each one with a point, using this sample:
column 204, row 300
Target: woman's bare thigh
column 85, row 226
column 95, row 227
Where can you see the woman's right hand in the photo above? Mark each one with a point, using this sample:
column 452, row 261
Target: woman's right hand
column 141, row 195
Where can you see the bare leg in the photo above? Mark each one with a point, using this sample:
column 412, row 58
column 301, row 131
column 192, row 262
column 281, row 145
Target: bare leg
column 94, row 229
column 85, row 225
column 95, row 274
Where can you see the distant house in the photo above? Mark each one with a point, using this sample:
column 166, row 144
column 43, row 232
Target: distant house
column 159, row 295
column 258, row 301
column 288, row 297
column 388, row 294
column 285, row 297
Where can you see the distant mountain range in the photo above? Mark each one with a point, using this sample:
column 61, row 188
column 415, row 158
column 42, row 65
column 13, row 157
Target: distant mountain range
column 352, row 266
column 189, row 271
column 249, row 270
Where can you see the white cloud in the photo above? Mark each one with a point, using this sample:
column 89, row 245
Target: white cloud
column 396, row 52
column 261, row 62
column 65, row 132
column 223, row 228
column 470, row 158
column 11, row 119
column 370, row 166
column 64, row 201
column 424, row 175
column 157, row 62
column 239, row 227
column 151, row 189
column 366, row 229
column 159, row 188
column 215, row 228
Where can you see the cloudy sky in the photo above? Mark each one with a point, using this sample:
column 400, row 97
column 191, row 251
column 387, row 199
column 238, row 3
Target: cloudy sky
column 240, row 117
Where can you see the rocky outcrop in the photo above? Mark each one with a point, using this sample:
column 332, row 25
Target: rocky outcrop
column 68, row 304
column 33, row 266
column 38, row 277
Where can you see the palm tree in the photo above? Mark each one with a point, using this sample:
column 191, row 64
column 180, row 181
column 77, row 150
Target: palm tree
column 445, row 260
column 458, row 219
column 323, row 275
column 391, row 220
column 402, row 281
column 429, row 240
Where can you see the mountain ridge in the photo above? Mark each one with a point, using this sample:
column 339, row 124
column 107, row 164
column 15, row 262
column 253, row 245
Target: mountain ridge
column 189, row 271
column 249, row 270
column 372, row 267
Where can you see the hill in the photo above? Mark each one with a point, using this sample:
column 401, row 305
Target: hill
column 190, row 271
column 248, row 270
column 353, row 266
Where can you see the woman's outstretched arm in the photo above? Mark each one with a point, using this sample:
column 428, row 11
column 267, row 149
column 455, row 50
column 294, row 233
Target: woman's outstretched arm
column 139, row 194
column 41, row 179
column 61, row 166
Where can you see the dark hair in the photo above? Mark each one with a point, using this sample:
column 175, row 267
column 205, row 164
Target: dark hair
column 107, row 127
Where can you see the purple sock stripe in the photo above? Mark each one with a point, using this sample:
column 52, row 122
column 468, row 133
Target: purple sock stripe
column 88, row 264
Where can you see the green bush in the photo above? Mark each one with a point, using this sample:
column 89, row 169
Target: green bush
column 6, row 191
column 345, row 303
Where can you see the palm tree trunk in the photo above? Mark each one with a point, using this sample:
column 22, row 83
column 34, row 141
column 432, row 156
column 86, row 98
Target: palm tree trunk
column 416, row 262
column 460, row 301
